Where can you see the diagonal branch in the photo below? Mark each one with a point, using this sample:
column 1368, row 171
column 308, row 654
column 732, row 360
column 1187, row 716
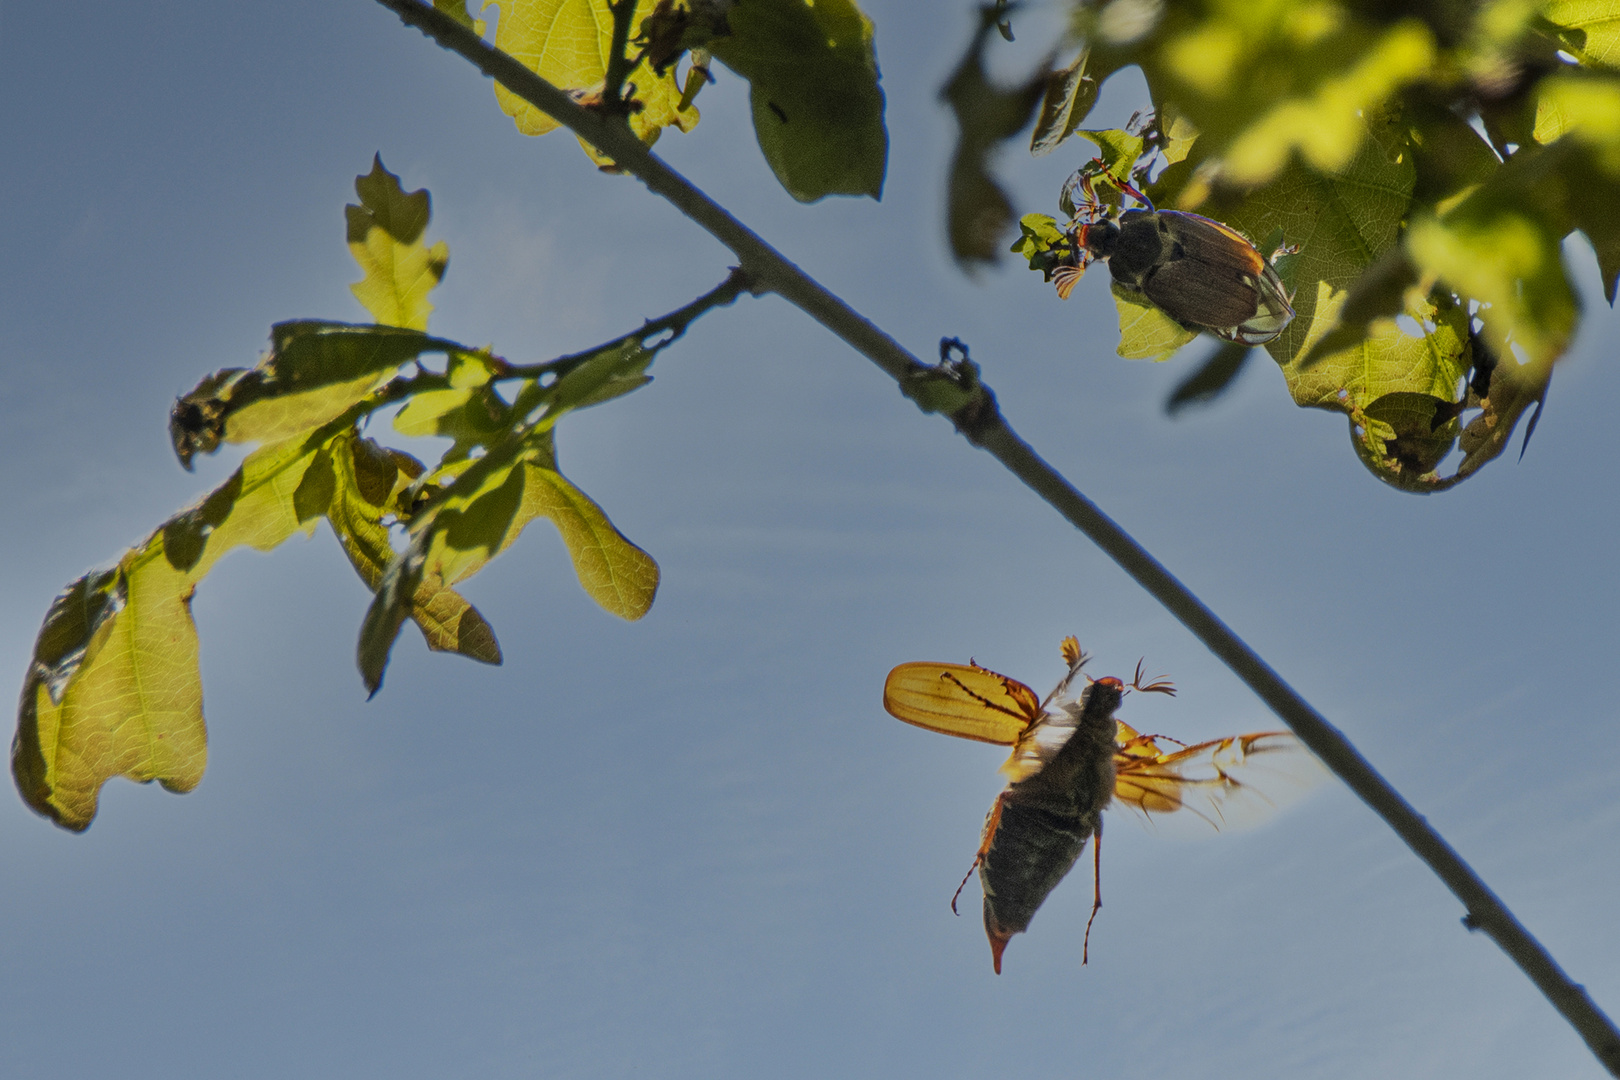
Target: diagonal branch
column 972, row 408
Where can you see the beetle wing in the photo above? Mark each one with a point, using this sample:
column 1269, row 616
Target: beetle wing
column 1228, row 782
column 967, row 701
column 1271, row 317
column 1211, row 242
column 1195, row 292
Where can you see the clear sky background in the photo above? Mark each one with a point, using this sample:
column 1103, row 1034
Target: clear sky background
column 696, row 846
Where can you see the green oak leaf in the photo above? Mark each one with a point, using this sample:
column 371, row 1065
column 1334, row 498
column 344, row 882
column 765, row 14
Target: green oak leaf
column 1145, row 332
column 1326, row 126
column 1587, row 111
column 113, row 689
column 1070, row 94
column 1118, row 149
column 369, row 485
column 813, row 86
column 1041, row 241
column 1591, row 29
column 569, row 43
column 385, row 237
column 480, row 515
column 480, row 506
column 607, row 374
column 315, row 371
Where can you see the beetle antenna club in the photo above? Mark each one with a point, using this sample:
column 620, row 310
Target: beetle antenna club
column 1161, row 685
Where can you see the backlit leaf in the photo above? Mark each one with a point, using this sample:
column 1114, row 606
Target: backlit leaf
column 121, row 647
column 813, row 86
column 314, row 372
column 1595, row 25
column 385, row 237
column 113, row 689
column 1326, row 127
column 480, row 515
column 1145, row 332
column 1070, row 94
column 568, row 43
column 368, row 482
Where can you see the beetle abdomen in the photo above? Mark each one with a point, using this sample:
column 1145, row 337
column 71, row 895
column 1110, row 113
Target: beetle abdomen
column 1032, row 849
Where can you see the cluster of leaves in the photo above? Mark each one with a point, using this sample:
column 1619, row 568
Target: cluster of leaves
column 811, row 69
column 1425, row 161
column 114, row 687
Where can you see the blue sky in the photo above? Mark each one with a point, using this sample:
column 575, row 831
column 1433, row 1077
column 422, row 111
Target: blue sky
column 695, row 846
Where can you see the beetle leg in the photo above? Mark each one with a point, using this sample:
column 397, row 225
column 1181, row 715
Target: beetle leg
column 992, row 821
column 1135, row 194
column 1096, row 889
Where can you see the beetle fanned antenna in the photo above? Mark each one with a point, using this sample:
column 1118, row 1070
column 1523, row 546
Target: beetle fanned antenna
column 1161, row 685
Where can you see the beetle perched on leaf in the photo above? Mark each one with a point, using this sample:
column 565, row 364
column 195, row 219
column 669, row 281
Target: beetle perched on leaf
column 1203, row 274
column 1070, row 760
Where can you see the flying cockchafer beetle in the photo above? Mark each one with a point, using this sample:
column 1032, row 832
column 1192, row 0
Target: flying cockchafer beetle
column 1203, row 274
column 1071, row 759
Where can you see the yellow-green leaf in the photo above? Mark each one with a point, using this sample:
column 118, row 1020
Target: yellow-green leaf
column 1145, row 332
column 568, row 43
column 1596, row 25
column 1587, row 110
column 481, row 514
column 1070, row 94
column 1508, row 260
column 130, row 702
column 313, row 373
column 367, row 483
column 1327, row 127
column 385, row 237
column 113, row 689
column 614, row 572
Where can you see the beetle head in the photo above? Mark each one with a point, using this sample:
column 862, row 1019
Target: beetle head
column 1098, row 239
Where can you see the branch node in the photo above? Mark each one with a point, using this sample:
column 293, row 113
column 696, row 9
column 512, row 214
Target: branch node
column 953, row 387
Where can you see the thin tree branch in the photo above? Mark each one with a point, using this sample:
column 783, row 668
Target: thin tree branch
column 976, row 416
column 674, row 324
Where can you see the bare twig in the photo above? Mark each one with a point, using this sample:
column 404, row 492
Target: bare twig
column 980, row 421
column 673, row 324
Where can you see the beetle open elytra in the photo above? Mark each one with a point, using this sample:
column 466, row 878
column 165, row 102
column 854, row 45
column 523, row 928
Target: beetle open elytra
column 1203, row 274
column 1070, row 760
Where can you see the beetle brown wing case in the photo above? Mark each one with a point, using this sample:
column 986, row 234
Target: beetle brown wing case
column 1205, row 277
